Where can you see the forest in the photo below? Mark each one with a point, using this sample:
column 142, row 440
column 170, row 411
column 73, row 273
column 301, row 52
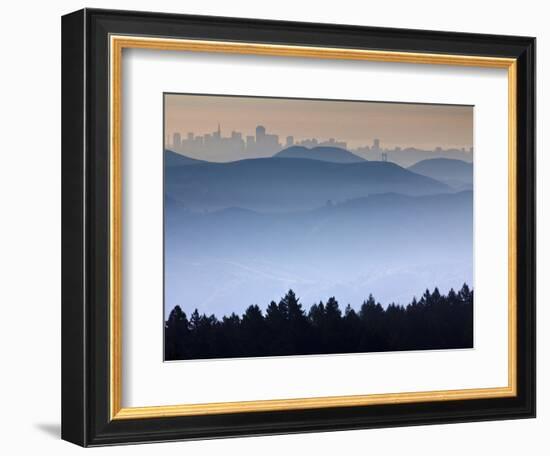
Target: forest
column 435, row 321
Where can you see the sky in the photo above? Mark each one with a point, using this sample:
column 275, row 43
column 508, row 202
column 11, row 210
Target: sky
column 424, row 126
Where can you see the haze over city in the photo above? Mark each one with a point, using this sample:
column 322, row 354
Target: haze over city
column 223, row 128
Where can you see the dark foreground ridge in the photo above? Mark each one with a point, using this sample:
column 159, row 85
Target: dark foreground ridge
column 435, row 321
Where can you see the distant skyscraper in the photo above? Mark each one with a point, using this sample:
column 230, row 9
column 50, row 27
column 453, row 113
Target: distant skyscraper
column 217, row 134
column 376, row 144
column 289, row 141
column 260, row 133
column 177, row 141
column 250, row 143
column 271, row 143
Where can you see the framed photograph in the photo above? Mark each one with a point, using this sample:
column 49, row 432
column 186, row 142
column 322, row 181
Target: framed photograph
column 279, row 227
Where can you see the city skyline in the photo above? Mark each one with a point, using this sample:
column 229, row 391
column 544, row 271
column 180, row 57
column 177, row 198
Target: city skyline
column 196, row 120
column 260, row 144
column 213, row 146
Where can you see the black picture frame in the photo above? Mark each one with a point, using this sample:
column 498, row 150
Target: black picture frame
column 85, row 228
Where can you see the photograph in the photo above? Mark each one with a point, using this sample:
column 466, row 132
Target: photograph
column 316, row 226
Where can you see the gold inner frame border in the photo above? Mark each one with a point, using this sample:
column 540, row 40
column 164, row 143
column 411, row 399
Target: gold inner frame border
column 117, row 44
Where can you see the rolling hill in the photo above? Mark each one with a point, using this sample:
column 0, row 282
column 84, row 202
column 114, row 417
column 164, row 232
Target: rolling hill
column 410, row 155
column 283, row 184
column 172, row 159
column 455, row 173
column 329, row 154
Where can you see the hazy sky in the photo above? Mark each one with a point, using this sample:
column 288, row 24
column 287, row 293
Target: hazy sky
column 357, row 122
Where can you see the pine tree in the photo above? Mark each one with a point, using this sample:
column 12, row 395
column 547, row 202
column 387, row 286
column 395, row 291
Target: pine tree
column 254, row 331
column 176, row 334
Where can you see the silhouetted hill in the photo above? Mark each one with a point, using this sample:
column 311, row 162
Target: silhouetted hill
column 410, row 155
column 172, row 159
column 282, row 184
column 456, row 173
column 329, row 154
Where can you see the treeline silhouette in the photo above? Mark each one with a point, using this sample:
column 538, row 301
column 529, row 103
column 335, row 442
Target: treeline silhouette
column 435, row 321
